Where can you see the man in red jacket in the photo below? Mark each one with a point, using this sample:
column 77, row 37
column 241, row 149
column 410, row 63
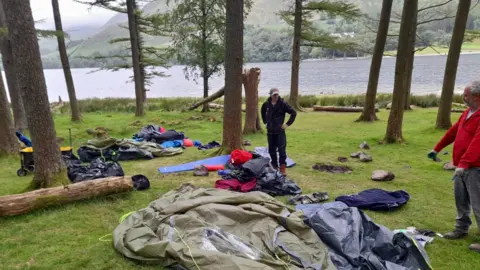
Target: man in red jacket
column 465, row 135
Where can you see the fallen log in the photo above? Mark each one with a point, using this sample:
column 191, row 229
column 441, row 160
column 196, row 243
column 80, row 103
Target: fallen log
column 19, row 204
column 457, row 111
column 338, row 109
column 218, row 106
column 210, row 98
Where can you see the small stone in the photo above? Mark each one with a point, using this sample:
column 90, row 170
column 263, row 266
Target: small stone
column 389, row 106
column 448, row 166
column 247, row 143
column 365, row 158
column 407, row 167
column 342, row 159
column 381, row 175
column 356, row 154
column 445, row 153
column 364, row 145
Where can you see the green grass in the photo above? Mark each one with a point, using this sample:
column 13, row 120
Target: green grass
column 467, row 47
column 67, row 237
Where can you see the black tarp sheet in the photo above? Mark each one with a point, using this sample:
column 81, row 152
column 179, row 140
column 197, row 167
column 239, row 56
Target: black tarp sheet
column 357, row 243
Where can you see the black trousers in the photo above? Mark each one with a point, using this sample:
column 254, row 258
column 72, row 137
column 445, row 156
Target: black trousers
column 277, row 142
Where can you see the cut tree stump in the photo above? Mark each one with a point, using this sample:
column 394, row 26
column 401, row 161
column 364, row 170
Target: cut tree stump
column 251, row 79
column 19, row 204
column 338, row 109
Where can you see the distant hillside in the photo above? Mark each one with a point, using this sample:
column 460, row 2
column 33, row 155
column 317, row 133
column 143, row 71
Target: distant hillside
column 263, row 13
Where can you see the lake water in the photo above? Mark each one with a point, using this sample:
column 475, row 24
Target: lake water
column 349, row 76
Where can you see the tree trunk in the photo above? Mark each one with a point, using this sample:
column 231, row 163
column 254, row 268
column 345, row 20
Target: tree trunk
column 411, row 60
column 205, row 71
column 404, row 52
column 49, row 166
column 294, row 101
column 141, row 43
column 232, row 113
column 137, row 72
column 8, row 140
column 11, row 76
column 443, row 116
column 213, row 97
column 368, row 114
column 18, row 204
column 251, row 79
column 205, row 93
column 65, row 64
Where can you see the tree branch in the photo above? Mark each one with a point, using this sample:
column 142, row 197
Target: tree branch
column 434, row 6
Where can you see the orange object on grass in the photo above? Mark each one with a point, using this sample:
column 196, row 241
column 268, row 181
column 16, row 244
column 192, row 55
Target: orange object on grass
column 187, row 142
column 214, row 167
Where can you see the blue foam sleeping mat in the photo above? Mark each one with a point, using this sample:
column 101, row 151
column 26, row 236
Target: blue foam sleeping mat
column 191, row 165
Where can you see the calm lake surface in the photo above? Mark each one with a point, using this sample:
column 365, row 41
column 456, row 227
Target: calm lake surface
column 339, row 76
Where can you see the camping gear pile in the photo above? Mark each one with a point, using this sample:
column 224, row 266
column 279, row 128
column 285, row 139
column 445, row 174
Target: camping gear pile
column 251, row 171
column 206, row 228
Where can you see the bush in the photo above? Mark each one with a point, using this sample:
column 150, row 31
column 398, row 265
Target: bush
column 179, row 104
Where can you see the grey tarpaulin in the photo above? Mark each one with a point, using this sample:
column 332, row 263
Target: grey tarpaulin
column 212, row 229
column 357, row 243
column 263, row 151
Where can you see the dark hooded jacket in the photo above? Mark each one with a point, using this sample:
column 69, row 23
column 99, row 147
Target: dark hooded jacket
column 274, row 115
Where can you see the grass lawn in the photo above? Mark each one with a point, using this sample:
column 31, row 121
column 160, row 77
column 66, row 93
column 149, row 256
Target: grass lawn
column 67, row 237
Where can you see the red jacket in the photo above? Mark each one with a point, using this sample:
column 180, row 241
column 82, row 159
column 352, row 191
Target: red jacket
column 466, row 137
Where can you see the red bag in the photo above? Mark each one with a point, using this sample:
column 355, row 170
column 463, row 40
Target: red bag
column 239, row 157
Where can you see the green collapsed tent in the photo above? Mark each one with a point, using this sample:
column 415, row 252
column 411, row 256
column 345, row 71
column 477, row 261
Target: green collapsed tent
column 198, row 228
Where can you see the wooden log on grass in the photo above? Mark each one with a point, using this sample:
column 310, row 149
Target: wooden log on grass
column 218, row 106
column 338, row 109
column 210, row 98
column 19, row 204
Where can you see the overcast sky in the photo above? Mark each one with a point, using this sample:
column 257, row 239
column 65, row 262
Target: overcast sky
column 72, row 13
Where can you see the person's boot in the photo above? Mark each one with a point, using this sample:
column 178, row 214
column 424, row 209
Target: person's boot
column 475, row 247
column 283, row 169
column 454, row 235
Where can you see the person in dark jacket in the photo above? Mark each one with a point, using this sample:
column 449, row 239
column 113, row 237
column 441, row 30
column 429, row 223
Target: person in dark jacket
column 273, row 116
column 465, row 135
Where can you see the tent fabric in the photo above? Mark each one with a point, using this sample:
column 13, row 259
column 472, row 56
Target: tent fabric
column 263, row 151
column 376, row 199
column 357, row 243
column 124, row 149
column 200, row 228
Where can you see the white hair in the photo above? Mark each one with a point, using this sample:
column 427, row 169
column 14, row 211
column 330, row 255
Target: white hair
column 474, row 87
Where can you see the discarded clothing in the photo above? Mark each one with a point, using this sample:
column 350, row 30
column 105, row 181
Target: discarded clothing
column 223, row 230
column 275, row 184
column 256, row 167
column 235, row 185
column 147, row 132
column 210, row 145
column 97, row 169
column 376, row 199
column 315, row 197
column 169, row 135
column 263, row 151
column 356, row 242
column 424, row 237
column 23, row 139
